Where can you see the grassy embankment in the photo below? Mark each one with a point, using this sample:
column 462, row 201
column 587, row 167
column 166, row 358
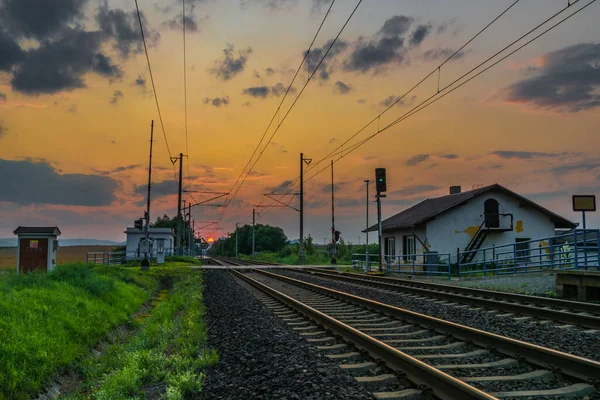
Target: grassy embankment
column 50, row 322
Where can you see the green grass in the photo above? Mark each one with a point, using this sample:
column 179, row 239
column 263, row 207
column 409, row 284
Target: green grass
column 47, row 321
column 167, row 353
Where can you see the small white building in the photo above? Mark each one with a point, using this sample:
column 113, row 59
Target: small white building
column 37, row 247
column 134, row 236
column 465, row 222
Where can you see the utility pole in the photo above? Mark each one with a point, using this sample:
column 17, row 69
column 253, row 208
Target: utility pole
column 183, row 230
column 193, row 237
column 179, row 219
column 236, row 240
column 333, row 252
column 302, row 252
column 367, row 245
column 253, row 222
column 189, row 235
column 149, row 179
column 379, row 230
column 381, row 186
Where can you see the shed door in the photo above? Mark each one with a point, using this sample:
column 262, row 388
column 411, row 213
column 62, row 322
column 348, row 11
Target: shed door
column 33, row 255
column 491, row 213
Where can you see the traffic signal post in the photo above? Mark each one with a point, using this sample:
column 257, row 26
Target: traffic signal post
column 381, row 186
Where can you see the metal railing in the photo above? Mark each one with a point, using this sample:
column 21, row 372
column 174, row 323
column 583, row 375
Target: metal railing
column 123, row 257
column 427, row 264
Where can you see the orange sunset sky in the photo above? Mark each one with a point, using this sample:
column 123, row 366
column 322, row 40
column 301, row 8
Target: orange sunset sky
column 76, row 104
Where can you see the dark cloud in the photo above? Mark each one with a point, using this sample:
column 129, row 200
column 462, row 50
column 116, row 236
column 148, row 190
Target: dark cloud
column 341, row 88
column 583, row 166
column 317, row 53
column 117, row 96
column 284, row 187
column 125, row 168
column 419, row 34
column 61, row 64
column 269, row 71
column 398, row 25
column 231, row 66
column 265, row 91
column 442, row 54
column 525, row 155
column 39, row 19
column 414, row 190
column 159, row 189
column 568, row 81
column 140, row 82
column 123, row 29
column 397, row 99
column 10, row 51
column 448, row 156
column 388, row 47
column 419, row 158
column 176, row 23
column 217, row 101
column 37, row 182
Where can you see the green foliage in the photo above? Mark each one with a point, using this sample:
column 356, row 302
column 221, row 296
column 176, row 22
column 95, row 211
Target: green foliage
column 266, row 238
column 168, row 350
column 119, row 249
column 166, row 222
column 182, row 259
column 48, row 320
column 309, row 246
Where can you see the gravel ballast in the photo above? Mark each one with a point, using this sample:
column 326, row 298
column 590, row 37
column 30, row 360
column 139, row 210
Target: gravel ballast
column 572, row 341
column 260, row 357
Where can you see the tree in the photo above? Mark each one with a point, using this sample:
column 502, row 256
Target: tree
column 166, row 222
column 267, row 238
column 309, row 246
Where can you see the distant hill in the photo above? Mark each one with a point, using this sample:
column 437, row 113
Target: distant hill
column 12, row 242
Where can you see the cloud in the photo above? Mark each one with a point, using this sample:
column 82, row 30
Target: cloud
column 397, row 99
column 265, row 91
column 72, row 109
column 231, row 66
column 576, row 167
column 38, row 19
column 442, row 54
column 568, row 81
column 37, row 182
column 341, row 88
column 2, row 97
column 3, row 129
column 176, row 23
column 217, row 101
column 281, row 148
column 414, row 190
column 419, row 34
column 414, row 160
column 316, row 54
column 332, row 140
column 361, row 101
column 117, row 96
column 10, row 51
column 140, row 82
column 269, row 71
column 525, row 155
column 123, row 29
column 159, row 189
column 448, row 156
column 398, row 25
column 65, row 61
column 125, row 168
column 283, row 187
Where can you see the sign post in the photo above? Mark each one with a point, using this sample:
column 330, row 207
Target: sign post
column 584, row 203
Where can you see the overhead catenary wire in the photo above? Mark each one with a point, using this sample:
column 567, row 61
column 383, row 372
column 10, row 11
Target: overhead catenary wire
column 447, row 89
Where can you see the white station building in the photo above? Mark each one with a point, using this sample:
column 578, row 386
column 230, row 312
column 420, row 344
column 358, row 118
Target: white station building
column 467, row 221
column 134, row 236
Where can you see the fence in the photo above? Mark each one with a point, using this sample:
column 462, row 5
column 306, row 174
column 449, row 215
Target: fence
column 123, row 257
column 428, row 264
column 579, row 249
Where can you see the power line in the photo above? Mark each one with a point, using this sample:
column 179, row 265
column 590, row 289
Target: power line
column 442, row 93
column 162, row 125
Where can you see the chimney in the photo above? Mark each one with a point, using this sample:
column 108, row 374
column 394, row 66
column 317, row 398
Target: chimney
column 455, row 189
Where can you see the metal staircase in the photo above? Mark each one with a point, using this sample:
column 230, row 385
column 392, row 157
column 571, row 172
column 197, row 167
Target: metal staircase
column 475, row 244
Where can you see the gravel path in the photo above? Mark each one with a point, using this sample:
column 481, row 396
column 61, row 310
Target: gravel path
column 572, row 341
column 260, row 356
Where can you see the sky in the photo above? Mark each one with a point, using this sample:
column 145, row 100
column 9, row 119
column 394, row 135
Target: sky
column 76, row 105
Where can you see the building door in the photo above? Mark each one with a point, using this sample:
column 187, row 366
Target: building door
column 410, row 248
column 491, row 213
column 390, row 249
column 33, row 254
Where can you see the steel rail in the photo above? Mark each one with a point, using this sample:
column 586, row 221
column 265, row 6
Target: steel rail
column 444, row 386
column 499, row 303
column 577, row 367
column 545, row 301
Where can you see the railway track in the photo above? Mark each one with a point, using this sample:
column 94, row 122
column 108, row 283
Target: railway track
column 236, row 262
column 514, row 305
column 423, row 356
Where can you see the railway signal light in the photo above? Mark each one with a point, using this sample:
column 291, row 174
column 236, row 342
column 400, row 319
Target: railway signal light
column 138, row 224
column 337, row 236
column 380, row 180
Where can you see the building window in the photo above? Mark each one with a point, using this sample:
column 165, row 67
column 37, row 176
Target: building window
column 491, row 213
column 409, row 248
column 522, row 250
column 390, row 249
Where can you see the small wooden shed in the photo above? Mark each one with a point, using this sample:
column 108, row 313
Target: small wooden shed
column 37, row 247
